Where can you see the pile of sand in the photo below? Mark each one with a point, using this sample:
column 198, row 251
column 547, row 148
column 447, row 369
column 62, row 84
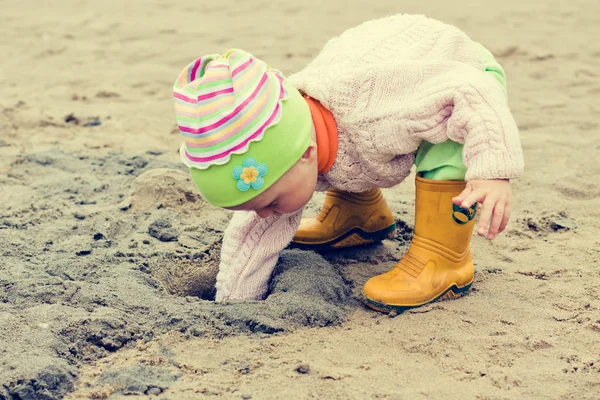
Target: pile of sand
column 105, row 245
column 99, row 257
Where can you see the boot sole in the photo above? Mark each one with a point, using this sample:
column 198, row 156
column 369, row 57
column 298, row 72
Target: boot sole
column 452, row 293
column 352, row 238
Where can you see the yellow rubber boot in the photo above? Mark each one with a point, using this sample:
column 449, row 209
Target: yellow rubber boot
column 345, row 220
column 438, row 263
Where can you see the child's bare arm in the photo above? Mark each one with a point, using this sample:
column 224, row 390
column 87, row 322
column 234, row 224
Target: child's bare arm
column 251, row 248
column 495, row 197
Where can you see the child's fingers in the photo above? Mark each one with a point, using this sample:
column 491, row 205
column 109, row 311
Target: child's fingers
column 472, row 198
column 497, row 217
column 505, row 218
column 461, row 197
column 485, row 216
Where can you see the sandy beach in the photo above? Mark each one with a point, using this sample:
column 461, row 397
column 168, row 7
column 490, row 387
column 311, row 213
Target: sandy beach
column 109, row 252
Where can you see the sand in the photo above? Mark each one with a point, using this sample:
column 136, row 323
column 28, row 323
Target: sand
column 109, row 254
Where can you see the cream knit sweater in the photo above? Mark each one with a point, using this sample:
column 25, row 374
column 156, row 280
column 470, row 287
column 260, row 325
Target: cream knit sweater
column 390, row 84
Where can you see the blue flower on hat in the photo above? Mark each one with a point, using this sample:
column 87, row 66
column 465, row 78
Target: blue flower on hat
column 250, row 175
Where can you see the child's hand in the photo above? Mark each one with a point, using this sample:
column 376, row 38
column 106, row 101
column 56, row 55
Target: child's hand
column 495, row 195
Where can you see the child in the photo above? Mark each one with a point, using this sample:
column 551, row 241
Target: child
column 381, row 97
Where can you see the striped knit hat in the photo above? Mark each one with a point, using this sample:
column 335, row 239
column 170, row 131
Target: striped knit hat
column 243, row 127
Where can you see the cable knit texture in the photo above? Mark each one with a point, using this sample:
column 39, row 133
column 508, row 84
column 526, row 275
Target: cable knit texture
column 250, row 250
column 390, row 84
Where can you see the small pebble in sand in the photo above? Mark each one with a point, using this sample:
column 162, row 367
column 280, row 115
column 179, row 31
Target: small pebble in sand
column 125, row 205
column 246, row 397
column 154, row 391
column 94, row 121
column 162, row 230
column 107, row 94
column 303, row 369
column 79, row 215
column 98, row 236
column 71, row 118
column 140, row 162
column 244, row 369
column 560, row 223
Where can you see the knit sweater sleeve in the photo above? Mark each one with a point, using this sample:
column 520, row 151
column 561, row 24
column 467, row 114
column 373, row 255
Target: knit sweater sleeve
column 395, row 109
column 251, row 247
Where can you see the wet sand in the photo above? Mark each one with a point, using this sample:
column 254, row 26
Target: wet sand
column 107, row 248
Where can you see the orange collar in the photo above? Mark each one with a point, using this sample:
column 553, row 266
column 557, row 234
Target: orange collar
column 327, row 134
